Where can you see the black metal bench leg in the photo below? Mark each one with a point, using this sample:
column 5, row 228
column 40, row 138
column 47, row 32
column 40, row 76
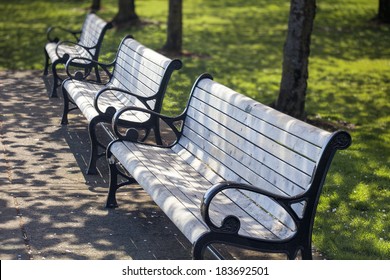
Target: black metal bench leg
column 205, row 243
column 198, row 251
column 55, row 80
column 98, row 79
column 64, row 120
column 306, row 254
column 114, row 173
column 113, row 185
column 45, row 71
column 94, row 155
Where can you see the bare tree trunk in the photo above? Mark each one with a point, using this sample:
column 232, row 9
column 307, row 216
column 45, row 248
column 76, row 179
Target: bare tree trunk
column 292, row 95
column 126, row 13
column 95, row 5
column 175, row 27
column 384, row 11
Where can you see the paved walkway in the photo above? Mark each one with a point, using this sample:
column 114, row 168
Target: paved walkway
column 49, row 207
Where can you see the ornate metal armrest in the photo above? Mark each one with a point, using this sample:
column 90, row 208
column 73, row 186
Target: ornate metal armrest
column 231, row 223
column 111, row 110
column 131, row 134
column 73, row 44
column 92, row 63
column 56, row 39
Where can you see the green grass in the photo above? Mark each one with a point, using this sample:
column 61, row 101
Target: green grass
column 348, row 87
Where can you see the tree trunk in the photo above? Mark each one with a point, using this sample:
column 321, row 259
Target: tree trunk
column 126, row 13
column 384, row 11
column 175, row 27
column 95, row 5
column 293, row 85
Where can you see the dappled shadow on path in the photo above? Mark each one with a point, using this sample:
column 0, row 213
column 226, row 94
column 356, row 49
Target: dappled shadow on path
column 57, row 212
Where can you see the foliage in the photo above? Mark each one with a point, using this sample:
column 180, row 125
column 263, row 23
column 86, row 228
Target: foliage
column 241, row 43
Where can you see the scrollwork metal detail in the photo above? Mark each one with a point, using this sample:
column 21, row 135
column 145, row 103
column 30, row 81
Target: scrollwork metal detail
column 231, row 224
column 342, row 140
column 132, row 134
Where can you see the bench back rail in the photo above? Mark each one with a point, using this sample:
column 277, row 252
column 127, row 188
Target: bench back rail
column 92, row 34
column 143, row 71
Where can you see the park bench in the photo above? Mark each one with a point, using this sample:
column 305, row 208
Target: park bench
column 137, row 77
column 86, row 45
column 238, row 172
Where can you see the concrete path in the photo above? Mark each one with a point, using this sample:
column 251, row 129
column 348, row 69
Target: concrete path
column 49, row 208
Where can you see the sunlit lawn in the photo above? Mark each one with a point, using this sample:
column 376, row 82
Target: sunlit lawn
column 240, row 43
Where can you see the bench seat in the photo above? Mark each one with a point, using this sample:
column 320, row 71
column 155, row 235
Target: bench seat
column 177, row 182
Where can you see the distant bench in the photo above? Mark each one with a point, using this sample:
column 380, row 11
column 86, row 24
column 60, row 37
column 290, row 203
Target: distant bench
column 239, row 173
column 88, row 42
column 139, row 78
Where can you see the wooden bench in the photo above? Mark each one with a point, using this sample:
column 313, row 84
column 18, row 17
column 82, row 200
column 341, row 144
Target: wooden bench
column 87, row 45
column 239, row 173
column 139, row 78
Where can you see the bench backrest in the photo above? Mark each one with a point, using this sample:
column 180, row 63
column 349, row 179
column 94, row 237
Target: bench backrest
column 92, row 33
column 245, row 141
column 142, row 71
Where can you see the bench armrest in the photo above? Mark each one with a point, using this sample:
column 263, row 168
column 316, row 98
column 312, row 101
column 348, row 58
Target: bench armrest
column 92, row 63
column 131, row 134
column 87, row 49
column 231, row 223
column 77, row 44
column 143, row 99
column 51, row 29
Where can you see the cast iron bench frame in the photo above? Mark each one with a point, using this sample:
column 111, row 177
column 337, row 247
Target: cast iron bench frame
column 87, row 44
column 137, row 77
column 280, row 145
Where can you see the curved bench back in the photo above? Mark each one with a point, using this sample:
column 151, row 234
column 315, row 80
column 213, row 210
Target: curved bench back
column 142, row 71
column 92, row 33
column 245, row 141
